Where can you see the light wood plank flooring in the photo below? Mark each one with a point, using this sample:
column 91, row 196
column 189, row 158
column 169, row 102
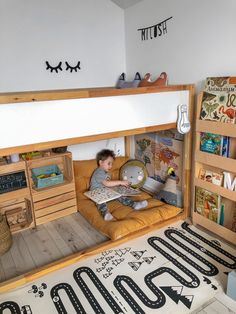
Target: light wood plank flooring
column 60, row 238
column 47, row 243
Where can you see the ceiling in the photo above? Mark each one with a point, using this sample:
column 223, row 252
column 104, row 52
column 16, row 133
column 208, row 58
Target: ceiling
column 125, row 3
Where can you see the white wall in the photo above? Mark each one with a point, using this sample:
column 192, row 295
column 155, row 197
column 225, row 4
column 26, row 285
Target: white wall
column 200, row 39
column 33, row 31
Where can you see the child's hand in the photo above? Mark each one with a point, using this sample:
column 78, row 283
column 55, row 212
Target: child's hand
column 125, row 183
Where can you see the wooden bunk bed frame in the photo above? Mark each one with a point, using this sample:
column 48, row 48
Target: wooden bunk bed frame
column 95, row 93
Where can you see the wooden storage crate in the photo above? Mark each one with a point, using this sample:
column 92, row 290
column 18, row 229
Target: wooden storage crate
column 19, row 218
column 52, row 173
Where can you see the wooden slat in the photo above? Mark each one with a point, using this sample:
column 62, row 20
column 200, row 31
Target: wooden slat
column 17, row 97
column 84, row 139
column 54, row 200
column 56, row 215
column 52, row 191
column 187, row 159
column 226, row 129
column 14, row 196
column 215, row 228
column 54, row 208
column 213, row 160
column 216, row 189
column 13, row 167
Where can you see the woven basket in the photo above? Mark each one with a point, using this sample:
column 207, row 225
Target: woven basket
column 5, row 236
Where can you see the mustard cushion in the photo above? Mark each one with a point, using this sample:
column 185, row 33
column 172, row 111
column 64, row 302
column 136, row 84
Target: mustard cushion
column 127, row 219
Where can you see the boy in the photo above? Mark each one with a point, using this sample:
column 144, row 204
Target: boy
column 101, row 177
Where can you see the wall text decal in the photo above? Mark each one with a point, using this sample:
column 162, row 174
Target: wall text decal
column 154, row 31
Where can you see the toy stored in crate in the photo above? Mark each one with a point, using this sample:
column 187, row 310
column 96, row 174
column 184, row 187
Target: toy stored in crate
column 19, row 218
column 47, row 176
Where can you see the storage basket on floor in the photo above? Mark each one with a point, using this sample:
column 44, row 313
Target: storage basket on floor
column 5, row 236
column 47, row 176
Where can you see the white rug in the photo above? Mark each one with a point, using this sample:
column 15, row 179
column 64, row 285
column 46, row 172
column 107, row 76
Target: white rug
column 172, row 270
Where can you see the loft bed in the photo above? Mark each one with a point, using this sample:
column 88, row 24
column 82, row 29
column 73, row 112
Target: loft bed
column 43, row 120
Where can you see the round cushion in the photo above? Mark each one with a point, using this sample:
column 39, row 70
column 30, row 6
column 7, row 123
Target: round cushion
column 135, row 172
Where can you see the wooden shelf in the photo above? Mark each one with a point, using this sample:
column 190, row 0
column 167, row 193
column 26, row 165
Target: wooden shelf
column 219, row 164
column 226, row 129
column 216, row 189
column 12, row 167
column 213, row 160
column 14, row 194
column 215, row 228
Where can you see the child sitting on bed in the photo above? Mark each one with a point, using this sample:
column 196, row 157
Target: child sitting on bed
column 102, row 177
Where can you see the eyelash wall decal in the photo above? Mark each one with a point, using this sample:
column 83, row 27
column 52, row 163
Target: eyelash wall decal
column 56, row 68
column 75, row 68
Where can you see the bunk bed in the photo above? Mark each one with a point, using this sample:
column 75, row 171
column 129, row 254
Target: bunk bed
column 48, row 119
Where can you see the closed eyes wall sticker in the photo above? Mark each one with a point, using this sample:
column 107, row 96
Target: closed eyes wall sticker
column 58, row 67
column 52, row 68
column 71, row 68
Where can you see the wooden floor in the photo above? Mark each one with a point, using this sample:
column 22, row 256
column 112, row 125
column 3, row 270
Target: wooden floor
column 47, row 243
column 63, row 237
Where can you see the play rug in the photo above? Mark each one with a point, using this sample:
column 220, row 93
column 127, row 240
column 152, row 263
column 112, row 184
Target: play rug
column 172, row 270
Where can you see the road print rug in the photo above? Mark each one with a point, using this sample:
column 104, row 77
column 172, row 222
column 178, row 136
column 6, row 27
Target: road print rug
column 172, row 270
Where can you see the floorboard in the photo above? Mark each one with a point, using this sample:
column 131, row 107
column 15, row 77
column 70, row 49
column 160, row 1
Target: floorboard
column 47, row 243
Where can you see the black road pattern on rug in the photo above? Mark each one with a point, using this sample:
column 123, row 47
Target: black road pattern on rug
column 125, row 284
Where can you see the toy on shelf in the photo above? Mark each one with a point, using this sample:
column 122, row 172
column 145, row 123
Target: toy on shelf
column 160, row 81
column 128, row 84
column 31, row 155
column 168, row 194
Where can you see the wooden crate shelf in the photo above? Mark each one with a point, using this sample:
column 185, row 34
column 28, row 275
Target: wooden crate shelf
column 58, row 200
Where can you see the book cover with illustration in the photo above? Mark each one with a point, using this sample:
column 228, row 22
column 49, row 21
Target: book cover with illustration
column 207, row 204
column 210, row 176
column 105, row 194
column 218, row 107
column 221, row 84
column 159, row 151
column 210, row 143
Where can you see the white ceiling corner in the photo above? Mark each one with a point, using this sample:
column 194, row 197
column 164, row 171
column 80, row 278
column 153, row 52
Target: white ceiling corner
column 124, row 4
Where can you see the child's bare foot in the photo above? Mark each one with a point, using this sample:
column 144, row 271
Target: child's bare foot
column 140, row 205
column 108, row 217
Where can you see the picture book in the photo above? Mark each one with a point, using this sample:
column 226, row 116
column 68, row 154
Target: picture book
column 225, row 141
column 210, row 176
column 210, row 143
column 104, row 194
column 208, row 204
column 218, row 107
column 126, row 191
column 221, row 84
column 214, row 144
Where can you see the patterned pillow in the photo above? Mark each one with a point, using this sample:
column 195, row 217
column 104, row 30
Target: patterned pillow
column 135, row 172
